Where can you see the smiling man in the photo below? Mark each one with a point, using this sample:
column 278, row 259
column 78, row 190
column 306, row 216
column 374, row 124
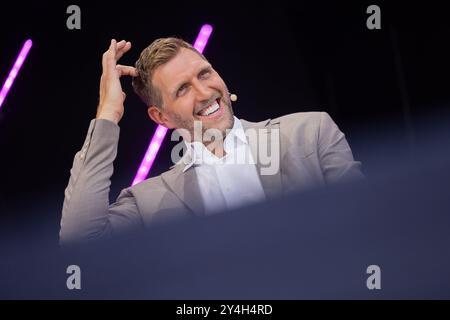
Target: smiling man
column 188, row 89
column 225, row 165
column 184, row 88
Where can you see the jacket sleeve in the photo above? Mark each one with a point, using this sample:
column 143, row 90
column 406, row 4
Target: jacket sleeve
column 336, row 158
column 87, row 214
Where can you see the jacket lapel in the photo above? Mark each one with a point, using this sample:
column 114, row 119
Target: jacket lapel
column 272, row 184
column 185, row 186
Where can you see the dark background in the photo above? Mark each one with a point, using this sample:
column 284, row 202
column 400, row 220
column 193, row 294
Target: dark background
column 279, row 57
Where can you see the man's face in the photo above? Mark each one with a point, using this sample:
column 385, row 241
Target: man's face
column 191, row 91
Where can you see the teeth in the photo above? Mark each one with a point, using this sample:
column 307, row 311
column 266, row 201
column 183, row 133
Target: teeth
column 211, row 109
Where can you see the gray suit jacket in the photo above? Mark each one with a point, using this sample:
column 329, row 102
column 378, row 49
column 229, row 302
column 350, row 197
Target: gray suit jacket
column 313, row 152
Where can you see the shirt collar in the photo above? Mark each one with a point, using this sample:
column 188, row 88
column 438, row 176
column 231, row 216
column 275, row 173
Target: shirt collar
column 197, row 153
column 237, row 131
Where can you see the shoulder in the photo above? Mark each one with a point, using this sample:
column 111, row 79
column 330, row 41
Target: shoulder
column 308, row 127
column 304, row 124
column 297, row 119
column 309, row 123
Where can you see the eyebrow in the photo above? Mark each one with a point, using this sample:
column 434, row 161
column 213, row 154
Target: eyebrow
column 178, row 87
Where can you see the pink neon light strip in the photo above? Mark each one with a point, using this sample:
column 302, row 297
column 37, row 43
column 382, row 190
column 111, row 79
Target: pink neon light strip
column 160, row 133
column 15, row 70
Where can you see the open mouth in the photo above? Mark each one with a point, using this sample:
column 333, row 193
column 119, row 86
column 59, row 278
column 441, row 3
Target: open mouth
column 210, row 110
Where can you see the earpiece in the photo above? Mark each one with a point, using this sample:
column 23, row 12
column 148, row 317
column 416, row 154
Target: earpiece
column 233, row 97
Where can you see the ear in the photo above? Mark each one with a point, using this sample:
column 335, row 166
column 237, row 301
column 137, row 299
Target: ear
column 159, row 117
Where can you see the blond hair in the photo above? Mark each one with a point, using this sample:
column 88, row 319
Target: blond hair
column 159, row 52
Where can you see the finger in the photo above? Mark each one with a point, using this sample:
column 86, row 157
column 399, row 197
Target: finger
column 104, row 58
column 121, row 44
column 119, row 47
column 127, row 70
column 123, row 50
column 110, row 61
column 113, row 47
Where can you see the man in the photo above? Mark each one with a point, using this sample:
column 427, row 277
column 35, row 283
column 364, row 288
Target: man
column 183, row 91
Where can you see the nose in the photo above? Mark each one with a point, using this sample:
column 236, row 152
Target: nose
column 203, row 92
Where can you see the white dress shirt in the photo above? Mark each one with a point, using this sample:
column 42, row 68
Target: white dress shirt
column 228, row 182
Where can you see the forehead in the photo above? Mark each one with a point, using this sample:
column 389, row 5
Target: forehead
column 183, row 66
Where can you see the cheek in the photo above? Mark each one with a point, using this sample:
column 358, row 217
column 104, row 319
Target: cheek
column 185, row 108
column 220, row 82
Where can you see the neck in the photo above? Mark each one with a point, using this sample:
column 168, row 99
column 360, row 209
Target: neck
column 216, row 148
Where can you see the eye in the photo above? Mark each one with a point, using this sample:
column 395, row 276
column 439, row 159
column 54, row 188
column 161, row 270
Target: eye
column 182, row 90
column 204, row 74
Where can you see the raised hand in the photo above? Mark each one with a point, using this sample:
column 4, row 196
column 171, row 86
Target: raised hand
column 112, row 97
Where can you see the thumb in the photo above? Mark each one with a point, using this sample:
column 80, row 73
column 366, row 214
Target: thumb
column 126, row 70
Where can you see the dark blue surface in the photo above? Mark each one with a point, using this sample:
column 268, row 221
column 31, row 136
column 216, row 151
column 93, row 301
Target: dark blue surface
column 312, row 245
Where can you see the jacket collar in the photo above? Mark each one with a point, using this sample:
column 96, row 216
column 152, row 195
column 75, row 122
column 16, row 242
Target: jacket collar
column 185, row 185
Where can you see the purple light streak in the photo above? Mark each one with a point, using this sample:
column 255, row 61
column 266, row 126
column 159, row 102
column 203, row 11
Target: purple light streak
column 15, row 70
